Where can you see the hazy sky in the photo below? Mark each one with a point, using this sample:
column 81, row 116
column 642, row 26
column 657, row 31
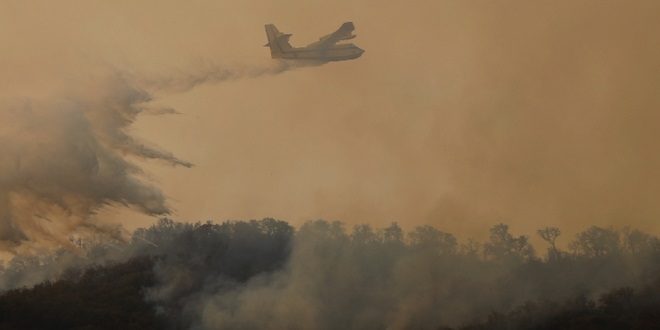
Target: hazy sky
column 460, row 114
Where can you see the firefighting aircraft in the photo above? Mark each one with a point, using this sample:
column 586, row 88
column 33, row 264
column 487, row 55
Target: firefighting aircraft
column 326, row 49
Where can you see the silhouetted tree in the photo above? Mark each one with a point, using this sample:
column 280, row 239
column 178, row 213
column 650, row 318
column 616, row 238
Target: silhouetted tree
column 596, row 242
column 550, row 234
column 502, row 245
column 393, row 234
column 637, row 242
column 429, row 238
column 365, row 235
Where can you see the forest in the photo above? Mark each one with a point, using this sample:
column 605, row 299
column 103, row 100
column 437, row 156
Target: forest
column 265, row 274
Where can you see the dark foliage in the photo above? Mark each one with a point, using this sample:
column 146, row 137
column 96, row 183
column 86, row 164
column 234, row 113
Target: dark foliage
column 191, row 258
column 183, row 257
column 623, row 308
column 108, row 297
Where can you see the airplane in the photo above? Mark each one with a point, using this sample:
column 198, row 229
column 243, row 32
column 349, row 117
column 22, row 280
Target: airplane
column 326, row 49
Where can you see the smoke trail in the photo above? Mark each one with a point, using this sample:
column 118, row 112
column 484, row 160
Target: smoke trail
column 207, row 71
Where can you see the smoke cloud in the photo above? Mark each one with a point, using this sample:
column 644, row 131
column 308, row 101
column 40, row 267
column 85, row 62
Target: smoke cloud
column 67, row 156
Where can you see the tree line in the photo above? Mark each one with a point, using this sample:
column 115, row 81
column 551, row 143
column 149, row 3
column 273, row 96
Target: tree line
column 226, row 275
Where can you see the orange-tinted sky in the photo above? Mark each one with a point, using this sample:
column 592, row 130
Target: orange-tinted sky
column 460, row 114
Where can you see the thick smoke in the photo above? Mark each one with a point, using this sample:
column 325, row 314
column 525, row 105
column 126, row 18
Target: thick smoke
column 66, row 157
column 425, row 279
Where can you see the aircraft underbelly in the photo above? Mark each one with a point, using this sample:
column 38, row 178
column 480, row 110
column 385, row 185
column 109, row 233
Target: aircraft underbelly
column 324, row 54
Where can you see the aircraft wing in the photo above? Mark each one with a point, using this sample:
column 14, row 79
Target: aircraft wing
column 343, row 33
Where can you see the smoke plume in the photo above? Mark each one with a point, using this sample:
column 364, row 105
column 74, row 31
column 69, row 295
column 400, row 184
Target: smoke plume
column 67, row 156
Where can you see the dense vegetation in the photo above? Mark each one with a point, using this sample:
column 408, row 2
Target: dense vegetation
column 262, row 274
column 108, row 297
column 623, row 308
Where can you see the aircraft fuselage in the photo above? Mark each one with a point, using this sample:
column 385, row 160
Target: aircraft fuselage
column 336, row 53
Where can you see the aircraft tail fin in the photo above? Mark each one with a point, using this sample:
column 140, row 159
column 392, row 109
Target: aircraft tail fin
column 277, row 41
